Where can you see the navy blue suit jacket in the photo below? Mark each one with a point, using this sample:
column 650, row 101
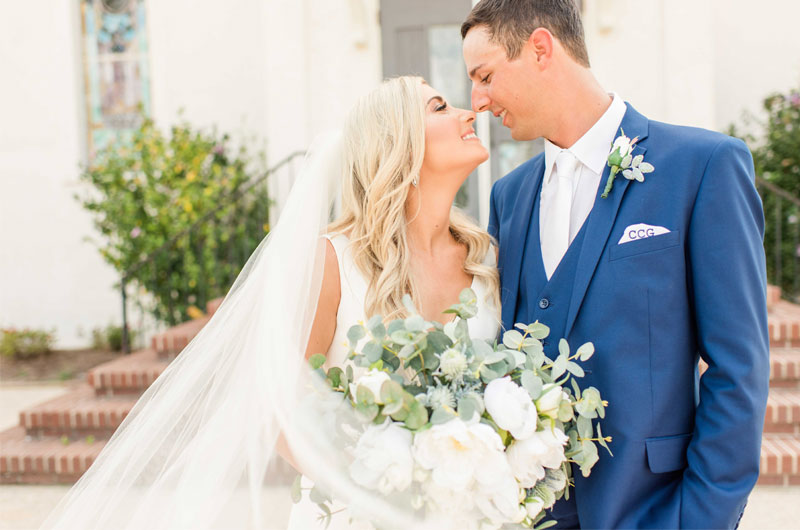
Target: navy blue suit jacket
column 686, row 449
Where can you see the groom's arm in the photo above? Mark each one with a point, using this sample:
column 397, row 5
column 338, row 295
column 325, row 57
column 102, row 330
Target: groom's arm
column 728, row 289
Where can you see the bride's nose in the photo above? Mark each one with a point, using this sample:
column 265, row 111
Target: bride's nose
column 468, row 116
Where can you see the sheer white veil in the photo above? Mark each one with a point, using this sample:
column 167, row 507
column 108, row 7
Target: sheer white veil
column 198, row 450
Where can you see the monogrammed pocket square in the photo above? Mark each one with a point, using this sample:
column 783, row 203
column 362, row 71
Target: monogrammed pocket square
column 641, row 231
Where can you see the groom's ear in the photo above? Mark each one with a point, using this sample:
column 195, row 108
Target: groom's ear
column 540, row 44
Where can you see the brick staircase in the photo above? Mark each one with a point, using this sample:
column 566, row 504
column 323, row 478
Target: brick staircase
column 56, row 442
column 33, row 451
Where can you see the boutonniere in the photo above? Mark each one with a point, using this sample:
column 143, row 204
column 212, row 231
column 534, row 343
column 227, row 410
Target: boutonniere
column 622, row 159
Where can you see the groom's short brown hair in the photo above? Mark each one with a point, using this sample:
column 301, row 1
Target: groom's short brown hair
column 511, row 22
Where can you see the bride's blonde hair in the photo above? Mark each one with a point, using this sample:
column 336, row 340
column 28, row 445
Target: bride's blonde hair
column 384, row 145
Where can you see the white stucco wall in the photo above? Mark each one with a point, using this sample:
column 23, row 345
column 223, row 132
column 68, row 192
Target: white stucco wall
column 276, row 71
column 694, row 62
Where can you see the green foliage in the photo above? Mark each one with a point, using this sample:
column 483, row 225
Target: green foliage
column 776, row 155
column 110, row 338
column 25, row 343
column 147, row 192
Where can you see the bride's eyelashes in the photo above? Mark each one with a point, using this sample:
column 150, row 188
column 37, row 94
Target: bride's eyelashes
column 441, row 107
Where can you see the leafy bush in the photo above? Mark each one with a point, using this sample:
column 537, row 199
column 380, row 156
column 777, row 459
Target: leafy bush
column 25, row 343
column 776, row 154
column 150, row 190
column 110, row 338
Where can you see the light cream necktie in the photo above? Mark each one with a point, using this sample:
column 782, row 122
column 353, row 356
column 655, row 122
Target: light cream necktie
column 555, row 228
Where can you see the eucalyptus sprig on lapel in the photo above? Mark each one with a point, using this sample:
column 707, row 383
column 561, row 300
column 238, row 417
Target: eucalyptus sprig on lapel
column 622, row 159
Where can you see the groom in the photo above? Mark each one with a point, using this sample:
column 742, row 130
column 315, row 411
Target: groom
column 660, row 271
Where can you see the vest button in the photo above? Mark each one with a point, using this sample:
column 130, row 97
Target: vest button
column 544, row 303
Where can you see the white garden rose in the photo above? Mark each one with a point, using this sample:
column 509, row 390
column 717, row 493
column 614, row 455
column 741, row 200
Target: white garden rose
column 530, row 457
column 458, row 453
column 550, row 400
column 373, row 381
column 383, row 458
column 624, row 144
column 500, row 502
column 510, row 407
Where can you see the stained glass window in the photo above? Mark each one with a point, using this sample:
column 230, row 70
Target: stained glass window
column 115, row 68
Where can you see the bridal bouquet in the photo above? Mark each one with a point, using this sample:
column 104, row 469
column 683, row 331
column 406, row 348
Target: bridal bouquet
column 480, row 434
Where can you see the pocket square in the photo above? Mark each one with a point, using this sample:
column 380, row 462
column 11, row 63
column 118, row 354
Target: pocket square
column 641, row 231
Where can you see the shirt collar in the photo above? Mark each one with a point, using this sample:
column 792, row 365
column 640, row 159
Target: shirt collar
column 593, row 147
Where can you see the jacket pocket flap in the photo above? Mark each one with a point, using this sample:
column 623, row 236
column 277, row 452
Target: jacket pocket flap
column 667, row 453
column 640, row 246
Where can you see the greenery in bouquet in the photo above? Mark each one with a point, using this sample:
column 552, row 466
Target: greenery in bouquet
column 476, row 432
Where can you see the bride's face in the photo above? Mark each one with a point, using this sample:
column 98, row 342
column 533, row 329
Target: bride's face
column 451, row 146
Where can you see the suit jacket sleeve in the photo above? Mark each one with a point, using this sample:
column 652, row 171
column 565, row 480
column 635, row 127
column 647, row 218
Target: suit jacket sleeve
column 727, row 282
column 494, row 225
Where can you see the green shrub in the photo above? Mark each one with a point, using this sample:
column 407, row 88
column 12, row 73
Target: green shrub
column 110, row 338
column 147, row 192
column 25, row 343
column 776, row 154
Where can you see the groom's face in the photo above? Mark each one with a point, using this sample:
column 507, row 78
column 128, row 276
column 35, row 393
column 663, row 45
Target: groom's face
column 507, row 89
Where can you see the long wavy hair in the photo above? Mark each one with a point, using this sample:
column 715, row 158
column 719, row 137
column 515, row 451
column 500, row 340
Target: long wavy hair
column 384, row 145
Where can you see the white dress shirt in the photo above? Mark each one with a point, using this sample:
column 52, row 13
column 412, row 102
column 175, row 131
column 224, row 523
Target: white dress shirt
column 591, row 150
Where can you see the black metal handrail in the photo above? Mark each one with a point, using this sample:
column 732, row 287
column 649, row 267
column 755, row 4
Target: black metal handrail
column 201, row 222
column 784, row 256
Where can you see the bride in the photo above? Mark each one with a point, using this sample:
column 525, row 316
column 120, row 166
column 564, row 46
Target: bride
column 203, row 446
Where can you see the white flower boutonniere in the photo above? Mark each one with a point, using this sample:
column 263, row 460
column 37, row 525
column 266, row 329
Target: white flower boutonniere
column 622, row 159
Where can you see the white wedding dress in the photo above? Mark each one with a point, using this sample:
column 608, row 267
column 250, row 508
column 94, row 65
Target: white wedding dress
column 485, row 325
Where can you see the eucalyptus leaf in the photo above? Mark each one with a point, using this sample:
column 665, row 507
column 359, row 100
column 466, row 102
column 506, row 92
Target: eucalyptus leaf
column 584, row 427
column 575, row 369
column 565, row 412
column 441, row 415
column 482, row 350
column 467, row 296
column 559, row 367
column 409, row 304
column 401, row 336
column 316, row 360
column 590, row 457
column 317, row 496
column 373, row 351
column 602, row 440
column 531, row 383
column 415, row 323
column 512, row 339
column 335, row 375
column 417, row 416
column 466, row 409
column 576, row 388
column 563, row 348
column 367, row 412
column 297, row 490
column 355, row 334
column 586, row 351
column 376, row 327
column 538, row 330
column 364, row 395
column 395, row 325
column 488, row 375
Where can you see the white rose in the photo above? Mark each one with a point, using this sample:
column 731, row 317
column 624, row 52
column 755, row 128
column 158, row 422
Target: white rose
column 373, row 381
column 624, row 145
column 383, row 458
column 500, row 503
column 510, row 407
column 529, row 457
column 458, row 453
column 550, row 400
column 534, row 506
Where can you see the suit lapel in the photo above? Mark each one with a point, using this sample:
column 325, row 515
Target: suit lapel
column 602, row 217
column 513, row 244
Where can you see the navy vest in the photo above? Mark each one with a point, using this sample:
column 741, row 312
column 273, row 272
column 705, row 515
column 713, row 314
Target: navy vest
column 548, row 302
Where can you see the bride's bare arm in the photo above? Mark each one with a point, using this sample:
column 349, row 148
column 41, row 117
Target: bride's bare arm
column 324, row 325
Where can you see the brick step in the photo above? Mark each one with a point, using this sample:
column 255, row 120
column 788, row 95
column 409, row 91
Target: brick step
column 24, row 460
column 784, row 368
column 77, row 414
column 172, row 341
column 783, row 411
column 175, row 339
column 784, row 324
column 128, row 375
column 780, row 460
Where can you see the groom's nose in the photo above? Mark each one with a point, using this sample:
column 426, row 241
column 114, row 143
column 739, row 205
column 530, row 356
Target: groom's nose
column 480, row 98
